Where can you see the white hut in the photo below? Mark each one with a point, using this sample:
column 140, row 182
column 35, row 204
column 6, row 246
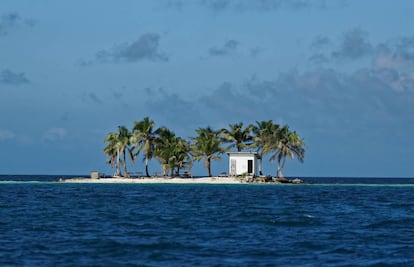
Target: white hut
column 242, row 163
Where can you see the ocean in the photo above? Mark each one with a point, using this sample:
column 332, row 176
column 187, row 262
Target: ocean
column 327, row 222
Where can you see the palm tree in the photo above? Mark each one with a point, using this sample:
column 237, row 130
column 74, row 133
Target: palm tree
column 124, row 141
column 112, row 152
column 182, row 154
column 238, row 136
column 285, row 144
column 206, row 145
column 118, row 144
column 164, row 149
column 143, row 137
column 263, row 131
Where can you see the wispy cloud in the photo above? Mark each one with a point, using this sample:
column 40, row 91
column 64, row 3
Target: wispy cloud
column 145, row 48
column 395, row 56
column 354, row 45
column 322, row 99
column 228, row 102
column 318, row 59
column 228, row 48
column 391, row 63
column 6, row 135
column 390, row 78
column 256, row 51
column 13, row 20
column 179, row 4
column 321, row 42
column 249, row 5
column 95, row 98
column 9, row 77
column 55, row 134
column 329, row 98
column 162, row 102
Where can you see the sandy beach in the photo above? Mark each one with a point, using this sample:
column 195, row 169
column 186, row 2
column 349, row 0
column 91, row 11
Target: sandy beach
column 158, row 180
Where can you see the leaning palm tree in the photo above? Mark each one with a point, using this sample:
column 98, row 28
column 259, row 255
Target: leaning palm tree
column 112, row 152
column 118, row 145
column 143, row 136
column 206, row 145
column 124, row 142
column 286, row 144
column 262, row 133
column 239, row 137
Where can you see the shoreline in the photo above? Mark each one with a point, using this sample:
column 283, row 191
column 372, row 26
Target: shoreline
column 164, row 180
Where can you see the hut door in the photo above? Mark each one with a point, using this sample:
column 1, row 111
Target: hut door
column 250, row 166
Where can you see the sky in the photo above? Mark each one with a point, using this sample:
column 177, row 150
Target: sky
column 340, row 73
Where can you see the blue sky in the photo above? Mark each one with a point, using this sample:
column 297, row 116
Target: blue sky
column 338, row 72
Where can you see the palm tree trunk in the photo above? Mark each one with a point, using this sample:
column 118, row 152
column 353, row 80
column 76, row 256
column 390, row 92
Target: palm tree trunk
column 208, row 166
column 260, row 165
column 283, row 164
column 126, row 174
column 280, row 173
column 118, row 167
column 280, row 167
column 146, row 166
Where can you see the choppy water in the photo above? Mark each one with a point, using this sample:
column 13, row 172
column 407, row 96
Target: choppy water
column 53, row 224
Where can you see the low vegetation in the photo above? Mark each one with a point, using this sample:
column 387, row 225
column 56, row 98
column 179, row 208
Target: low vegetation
column 175, row 153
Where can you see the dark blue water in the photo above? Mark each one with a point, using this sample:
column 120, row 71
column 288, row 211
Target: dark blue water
column 335, row 224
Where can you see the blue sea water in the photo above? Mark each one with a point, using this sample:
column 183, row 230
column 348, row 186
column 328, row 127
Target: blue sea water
column 329, row 222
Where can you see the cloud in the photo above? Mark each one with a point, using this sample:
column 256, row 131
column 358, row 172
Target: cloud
column 392, row 62
column 13, row 20
column 55, row 134
column 322, row 100
column 256, row 51
column 179, row 4
column 386, row 79
column 117, row 95
column 255, row 6
column 145, row 48
column 261, row 5
column 321, row 42
column 217, row 107
column 326, row 98
column 9, row 77
column 229, row 103
column 318, row 58
column 6, row 135
column 8, row 21
column 228, row 48
column 171, row 107
column 312, row 81
column 354, row 45
column 385, row 57
column 398, row 56
column 95, row 98
column 311, row 99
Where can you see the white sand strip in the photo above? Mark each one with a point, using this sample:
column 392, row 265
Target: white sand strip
column 158, row 180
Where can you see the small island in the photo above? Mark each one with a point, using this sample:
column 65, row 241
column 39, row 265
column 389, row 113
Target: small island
column 246, row 147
